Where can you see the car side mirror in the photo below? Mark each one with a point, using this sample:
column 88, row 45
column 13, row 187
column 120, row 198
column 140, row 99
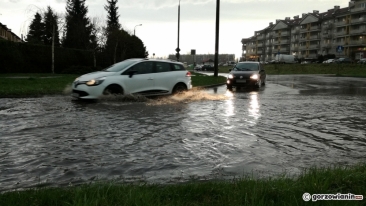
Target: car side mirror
column 131, row 73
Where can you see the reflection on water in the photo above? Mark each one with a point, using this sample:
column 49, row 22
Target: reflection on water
column 254, row 106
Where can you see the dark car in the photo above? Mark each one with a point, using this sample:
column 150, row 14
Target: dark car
column 343, row 61
column 245, row 74
column 207, row 67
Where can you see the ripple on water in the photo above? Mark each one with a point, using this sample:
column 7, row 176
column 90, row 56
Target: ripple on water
column 200, row 134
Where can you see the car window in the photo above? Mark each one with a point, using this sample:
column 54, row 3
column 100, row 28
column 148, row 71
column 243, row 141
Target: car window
column 246, row 67
column 141, row 68
column 162, row 67
column 177, row 67
column 120, row 65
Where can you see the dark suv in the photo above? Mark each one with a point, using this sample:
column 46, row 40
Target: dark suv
column 343, row 61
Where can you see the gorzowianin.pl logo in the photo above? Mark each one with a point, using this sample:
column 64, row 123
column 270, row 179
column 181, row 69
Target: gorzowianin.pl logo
column 315, row 197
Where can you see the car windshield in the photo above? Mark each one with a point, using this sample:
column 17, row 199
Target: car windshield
column 246, row 67
column 121, row 65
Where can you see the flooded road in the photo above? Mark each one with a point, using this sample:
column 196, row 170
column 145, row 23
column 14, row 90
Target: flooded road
column 292, row 123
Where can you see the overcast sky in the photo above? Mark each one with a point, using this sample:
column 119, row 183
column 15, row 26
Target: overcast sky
column 238, row 19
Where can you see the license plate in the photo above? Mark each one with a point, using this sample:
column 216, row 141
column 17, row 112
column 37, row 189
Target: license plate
column 241, row 81
column 76, row 95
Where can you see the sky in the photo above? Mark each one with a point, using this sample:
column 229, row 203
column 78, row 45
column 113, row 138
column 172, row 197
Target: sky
column 159, row 18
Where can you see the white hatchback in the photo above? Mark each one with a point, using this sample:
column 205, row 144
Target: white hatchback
column 148, row 77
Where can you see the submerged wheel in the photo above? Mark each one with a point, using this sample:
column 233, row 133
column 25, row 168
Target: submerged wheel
column 229, row 87
column 179, row 88
column 113, row 89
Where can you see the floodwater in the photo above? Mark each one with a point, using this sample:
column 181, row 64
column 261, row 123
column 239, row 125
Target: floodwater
column 292, row 123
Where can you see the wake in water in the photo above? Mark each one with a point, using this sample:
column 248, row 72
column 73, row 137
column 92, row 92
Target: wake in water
column 193, row 95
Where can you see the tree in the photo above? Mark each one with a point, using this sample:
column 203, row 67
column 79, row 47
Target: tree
column 112, row 21
column 112, row 31
column 50, row 22
column 78, row 28
column 36, row 30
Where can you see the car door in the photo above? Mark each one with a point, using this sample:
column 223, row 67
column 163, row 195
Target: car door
column 139, row 78
column 165, row 78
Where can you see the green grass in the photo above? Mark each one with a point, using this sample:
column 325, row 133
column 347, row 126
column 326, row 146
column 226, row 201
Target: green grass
column 281, row 190
column 350, row 70
column 199, row 79
column 23, row 85
column 33, row 85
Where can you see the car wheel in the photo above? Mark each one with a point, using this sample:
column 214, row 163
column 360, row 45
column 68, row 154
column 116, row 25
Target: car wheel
column 179, row 88
column 229, row 87
column 113, row 89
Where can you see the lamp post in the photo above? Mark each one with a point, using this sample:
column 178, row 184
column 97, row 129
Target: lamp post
column 217, row 38
column 177, row 49
column 135, row 29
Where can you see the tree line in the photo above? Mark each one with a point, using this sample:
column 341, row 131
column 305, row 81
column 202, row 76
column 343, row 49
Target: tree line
column 81, row 32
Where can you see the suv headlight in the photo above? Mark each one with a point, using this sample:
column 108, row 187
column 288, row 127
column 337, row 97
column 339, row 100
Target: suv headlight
column 230, row 76
column 95, row 82
column 254, row 76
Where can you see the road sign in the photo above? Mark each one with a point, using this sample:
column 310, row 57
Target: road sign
column 340, row 49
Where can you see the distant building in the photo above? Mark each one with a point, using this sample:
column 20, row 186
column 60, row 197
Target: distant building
column 7, row 34
column 201, row 58
column 312, row 35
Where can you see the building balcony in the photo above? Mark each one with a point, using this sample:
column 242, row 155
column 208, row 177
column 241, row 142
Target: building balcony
column 357, row 31
column 276, row 35
column 314, row 46
column 269, row 43
column 269, row 35
column 327, row 46
column 259, row 52
column 285, row 49
column 328, row 26
column 314, row 37
column 327, row 35
column 341, row 23
column 294, row 48
column 261, row 37
column 341, row 33
column 260, row 44
column 285, row 33
column 284, row 41
column 358, row 9
column 358, row 20
column 303, row 47
column 317, row 27
column 357, row 42
column 295, row 40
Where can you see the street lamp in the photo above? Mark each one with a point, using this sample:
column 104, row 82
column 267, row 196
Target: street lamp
column 177, row 49
column 135, row 29
column 216, row 68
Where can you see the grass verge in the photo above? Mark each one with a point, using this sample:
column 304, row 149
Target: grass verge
column 33, row 85
column 282, row 190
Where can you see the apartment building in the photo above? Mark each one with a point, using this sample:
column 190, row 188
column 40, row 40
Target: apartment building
column 7, row 34
column 312, row 35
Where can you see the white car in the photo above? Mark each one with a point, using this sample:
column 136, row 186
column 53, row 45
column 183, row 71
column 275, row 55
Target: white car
column 148, row 77
column 328, row 61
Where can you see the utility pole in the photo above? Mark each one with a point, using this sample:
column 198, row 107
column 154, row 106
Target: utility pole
column 217, row 38
column 177, row 49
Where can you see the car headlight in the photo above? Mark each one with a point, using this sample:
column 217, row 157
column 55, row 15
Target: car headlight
column 230, row 76
column 95, row 82
column 254, row 76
